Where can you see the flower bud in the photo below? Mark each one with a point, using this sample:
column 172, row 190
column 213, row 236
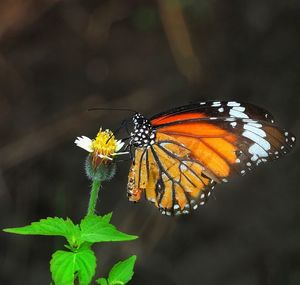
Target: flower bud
column 101, row 171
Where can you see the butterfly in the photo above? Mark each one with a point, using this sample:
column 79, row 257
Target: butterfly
column 181, row 154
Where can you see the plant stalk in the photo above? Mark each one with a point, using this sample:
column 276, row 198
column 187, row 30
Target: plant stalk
column 93, row 197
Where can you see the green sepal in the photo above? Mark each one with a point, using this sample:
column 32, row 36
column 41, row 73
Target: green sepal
column 102, row 172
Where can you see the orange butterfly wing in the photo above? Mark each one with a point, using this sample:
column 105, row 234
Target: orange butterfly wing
column 199, row 145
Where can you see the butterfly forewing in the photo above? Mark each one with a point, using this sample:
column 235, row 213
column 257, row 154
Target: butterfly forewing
column 241, row 135
column 212, row 109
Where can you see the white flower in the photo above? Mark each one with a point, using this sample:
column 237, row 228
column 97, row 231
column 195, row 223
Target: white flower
column 103, row 147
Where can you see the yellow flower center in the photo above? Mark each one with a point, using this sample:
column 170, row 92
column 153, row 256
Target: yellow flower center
column 104, row 143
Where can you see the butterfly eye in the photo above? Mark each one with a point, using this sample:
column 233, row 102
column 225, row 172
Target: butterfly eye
column 140, row 121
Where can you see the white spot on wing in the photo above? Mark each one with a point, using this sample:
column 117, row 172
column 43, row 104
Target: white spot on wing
column 240, row 109
column 183, row 168
column 237, row 114
column 233, row 104
column 254, row 124
column 255, row 130
column 216, row 104
column 264, row 144
column 257, row 151
column 249, row 121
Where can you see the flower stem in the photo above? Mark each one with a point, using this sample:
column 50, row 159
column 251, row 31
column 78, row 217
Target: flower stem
column 94, row 197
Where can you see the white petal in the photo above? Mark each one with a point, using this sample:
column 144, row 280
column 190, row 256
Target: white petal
column 85, row 143
column 120, row 144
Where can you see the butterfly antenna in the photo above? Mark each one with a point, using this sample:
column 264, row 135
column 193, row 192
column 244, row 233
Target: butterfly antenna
column 112, row 109
column 124, row 123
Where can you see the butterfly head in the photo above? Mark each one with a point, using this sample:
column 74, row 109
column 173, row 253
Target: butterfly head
column 143, row 134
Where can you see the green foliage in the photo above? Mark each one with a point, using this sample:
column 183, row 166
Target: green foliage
column 91, row 229
column 51, row 227
column 101, row 281
column 96, row 229
column 122, row 271
column 66, row 265
column 79, row 262
column 120, row 274
column 107, row 217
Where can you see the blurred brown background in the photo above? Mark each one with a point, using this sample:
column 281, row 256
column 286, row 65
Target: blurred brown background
column 60, row 57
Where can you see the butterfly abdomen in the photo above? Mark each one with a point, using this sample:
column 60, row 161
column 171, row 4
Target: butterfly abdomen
column 133, row 193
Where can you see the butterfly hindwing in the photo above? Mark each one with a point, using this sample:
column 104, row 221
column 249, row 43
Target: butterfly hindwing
column 174, row 182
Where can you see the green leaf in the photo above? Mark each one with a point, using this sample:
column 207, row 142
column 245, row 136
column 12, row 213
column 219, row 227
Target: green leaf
column 64, row 265
column 122, row 272
column 51, row 227
column 101, row 281
column 94, row 229
column 86, row 262
column 106, row 218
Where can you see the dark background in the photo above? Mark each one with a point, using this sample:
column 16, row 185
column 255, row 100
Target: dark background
column 58, row 58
